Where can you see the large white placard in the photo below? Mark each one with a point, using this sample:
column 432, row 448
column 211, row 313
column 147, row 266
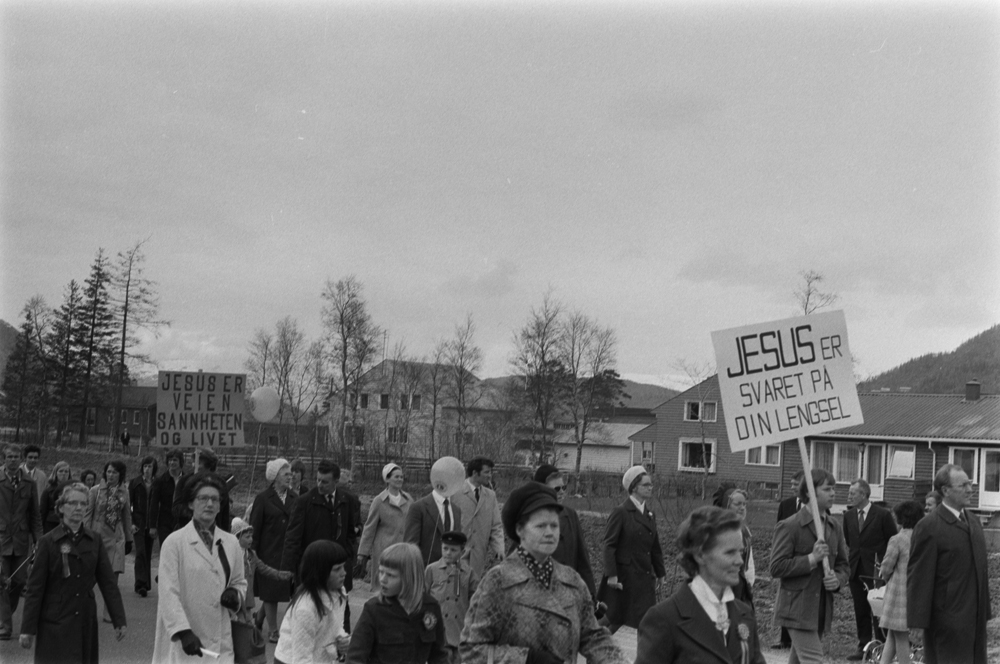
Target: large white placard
column 786, row 379
column 199, row 409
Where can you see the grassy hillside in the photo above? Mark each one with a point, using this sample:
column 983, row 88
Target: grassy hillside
column 947, row 373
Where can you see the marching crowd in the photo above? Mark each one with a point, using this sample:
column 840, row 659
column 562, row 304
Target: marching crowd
column 458, row 577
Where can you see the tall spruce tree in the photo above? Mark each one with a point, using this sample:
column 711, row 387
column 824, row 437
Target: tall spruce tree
column 66, row 342
column 24, row 387
column 99, row 332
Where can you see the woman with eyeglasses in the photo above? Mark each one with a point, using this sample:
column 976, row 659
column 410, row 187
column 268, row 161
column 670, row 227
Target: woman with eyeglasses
column 633, row 559
column 60, row 614
column 202, row 581
column 386, row 516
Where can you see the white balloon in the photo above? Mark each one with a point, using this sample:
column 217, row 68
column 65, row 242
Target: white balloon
column 448, row 475
column 264, row 403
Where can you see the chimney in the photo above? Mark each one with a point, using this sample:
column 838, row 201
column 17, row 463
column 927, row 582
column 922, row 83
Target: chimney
column 972, row 390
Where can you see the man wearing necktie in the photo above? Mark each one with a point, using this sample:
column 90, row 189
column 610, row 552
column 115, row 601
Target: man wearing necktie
column 323, row 513
column 480, row 515
column 947, row 586
column 867, row 529
column 428, row 519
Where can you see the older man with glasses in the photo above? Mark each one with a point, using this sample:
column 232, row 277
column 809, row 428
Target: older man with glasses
column 947, row 589
column 572, row 549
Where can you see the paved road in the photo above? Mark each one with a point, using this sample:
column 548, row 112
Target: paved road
column 137, row 646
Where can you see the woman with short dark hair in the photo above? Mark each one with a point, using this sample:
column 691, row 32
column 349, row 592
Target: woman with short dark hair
column 897, row 557
column 704, row 621
column 109, row 514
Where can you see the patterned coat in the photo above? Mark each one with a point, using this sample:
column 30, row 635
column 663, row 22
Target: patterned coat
column 511, row 613
column 114, row 538
column 897, row 557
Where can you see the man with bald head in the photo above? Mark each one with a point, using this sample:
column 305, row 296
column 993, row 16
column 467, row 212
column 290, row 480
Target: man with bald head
column 947, row 588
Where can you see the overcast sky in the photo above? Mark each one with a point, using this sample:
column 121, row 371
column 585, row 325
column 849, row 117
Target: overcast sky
column 668, row 168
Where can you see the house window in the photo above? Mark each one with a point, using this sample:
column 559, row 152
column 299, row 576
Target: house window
column 135, row 417
column 383, row 401
column 415, row 402
column 463, row 439
column 965, row 457
column 874, row 464
column 694, row 454
column 646, row 457
column 124, row 416
column 764, row 456
column 700, row 411
column 901, row 458
column 404, row 401
column 91, row 416
column 397, row 435
column 355, row 435
column 845, row 461
column 364, row 401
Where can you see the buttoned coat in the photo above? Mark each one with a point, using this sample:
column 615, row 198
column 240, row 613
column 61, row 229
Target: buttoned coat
column 481, row 524
column 161, row 503
column 269, row 517
column 386, row 634
column 797, row 604
column 37, row 476
column 313, row 519
column 424, row 528
column 60, row 611
column 383, row 527
column 947, row 587
column 191, row 582
column 20, row 525
column 114, row 538
column 864, row 546
column 678, row 630
column 511, row 613
column 632, row 553
column 452, row 586
column 572, row 549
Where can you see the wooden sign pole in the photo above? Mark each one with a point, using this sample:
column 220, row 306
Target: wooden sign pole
column 820, row 527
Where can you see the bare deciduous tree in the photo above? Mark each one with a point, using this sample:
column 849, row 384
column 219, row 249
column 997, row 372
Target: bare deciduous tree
column 809, row 296
column 697, row 373
column 464, row 359
column 259, row 358
column 436, row 380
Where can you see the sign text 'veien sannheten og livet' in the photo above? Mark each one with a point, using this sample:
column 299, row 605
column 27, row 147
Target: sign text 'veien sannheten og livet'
column 786, row 379
column 196, row 409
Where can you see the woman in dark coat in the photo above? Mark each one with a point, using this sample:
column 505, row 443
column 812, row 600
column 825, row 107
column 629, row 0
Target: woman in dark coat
column 633, row 559
column 704, row 622
column 59, row 607
column 269, row 519
column 47, row 501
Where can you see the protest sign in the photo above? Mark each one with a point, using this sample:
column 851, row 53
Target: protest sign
column 199, row 409
column 786, row 379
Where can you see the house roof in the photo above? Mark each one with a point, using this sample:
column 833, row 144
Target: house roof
column 927, row 416
column 137, row 396
column 386, row 367
column 607, row 434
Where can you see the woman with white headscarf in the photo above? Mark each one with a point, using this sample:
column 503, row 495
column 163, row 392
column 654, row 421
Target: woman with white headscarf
column 386, row 516
column 633, row 559
column 269, row 519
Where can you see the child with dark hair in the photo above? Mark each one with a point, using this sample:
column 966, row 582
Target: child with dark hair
column 313, row 627
column 893, row 570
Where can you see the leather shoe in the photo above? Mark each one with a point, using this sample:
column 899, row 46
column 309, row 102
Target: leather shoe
column 856, row 657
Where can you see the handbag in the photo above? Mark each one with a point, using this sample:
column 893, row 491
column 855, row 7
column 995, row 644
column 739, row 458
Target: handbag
column 248, row 642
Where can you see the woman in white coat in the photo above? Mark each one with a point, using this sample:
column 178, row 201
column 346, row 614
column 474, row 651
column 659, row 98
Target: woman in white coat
column 201, row 582
column 386, row 516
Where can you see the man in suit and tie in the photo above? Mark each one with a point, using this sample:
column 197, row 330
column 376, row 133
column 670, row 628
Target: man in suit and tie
column 20, row 530
column 430, row 517
column 867, row 529
column 480, row 515
column 787, row 508
column 947, row 586
column 323, row 513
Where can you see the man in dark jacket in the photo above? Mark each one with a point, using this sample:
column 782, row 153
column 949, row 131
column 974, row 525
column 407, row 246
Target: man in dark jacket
column 867, row 529
column 139, row 490
column 786, row 508
column 947, row 583
column 161, row 497
column 20, row 530
column 572, row 549
column 325, row 512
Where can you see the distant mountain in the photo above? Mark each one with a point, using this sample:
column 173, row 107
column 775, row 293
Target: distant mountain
column 640, row 395
column 947, row 373
column 8, row 339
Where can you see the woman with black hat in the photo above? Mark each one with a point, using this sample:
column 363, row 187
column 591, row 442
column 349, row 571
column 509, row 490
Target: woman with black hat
column 633, row 559
column 703, row 622
column 530, row 608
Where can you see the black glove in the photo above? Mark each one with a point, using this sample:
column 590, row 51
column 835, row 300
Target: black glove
column 230, row 599
column 128, row 548
column 190, row 643
column 600, row 608
column 537, row 656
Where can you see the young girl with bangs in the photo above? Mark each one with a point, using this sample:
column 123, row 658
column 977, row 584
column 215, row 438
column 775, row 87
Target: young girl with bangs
column 403, row 622
column 313, row 627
